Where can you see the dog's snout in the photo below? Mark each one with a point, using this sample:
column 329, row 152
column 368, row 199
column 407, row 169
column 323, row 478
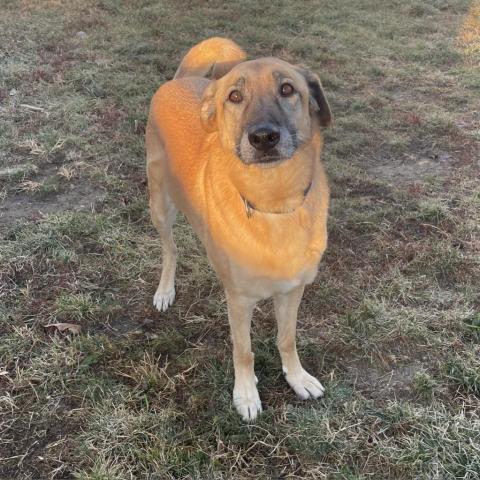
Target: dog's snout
column 264, row 137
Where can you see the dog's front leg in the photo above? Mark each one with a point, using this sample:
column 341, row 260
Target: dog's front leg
column 286, row 307
column 245, row 393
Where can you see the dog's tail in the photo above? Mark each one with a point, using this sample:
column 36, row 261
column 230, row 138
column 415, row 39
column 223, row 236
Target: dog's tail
column 212, row 58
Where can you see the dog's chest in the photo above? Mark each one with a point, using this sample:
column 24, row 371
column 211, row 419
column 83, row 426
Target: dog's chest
column 264, row 259
column 260, row 286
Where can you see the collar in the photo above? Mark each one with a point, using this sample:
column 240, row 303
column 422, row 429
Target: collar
column 250, row 207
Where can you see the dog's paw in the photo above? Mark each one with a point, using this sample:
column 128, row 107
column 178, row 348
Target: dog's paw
column 247, row 401
column 305, row 385
column 163, row 299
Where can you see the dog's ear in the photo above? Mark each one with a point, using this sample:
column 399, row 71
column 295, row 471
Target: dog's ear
column 208, row 110
column 220, row 69
column 318, row 103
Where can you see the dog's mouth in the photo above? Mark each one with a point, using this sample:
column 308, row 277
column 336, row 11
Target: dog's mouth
column 270, row 157
column 266, row 158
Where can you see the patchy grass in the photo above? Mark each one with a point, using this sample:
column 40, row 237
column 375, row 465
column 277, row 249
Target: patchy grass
column 391, row 324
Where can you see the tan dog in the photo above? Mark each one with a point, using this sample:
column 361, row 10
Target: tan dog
column 239, row 155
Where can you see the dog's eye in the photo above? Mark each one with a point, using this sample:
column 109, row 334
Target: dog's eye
column 235, row 96
column 286, row 90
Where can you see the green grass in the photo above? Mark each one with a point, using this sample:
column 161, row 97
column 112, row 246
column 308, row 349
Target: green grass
column 391, row 324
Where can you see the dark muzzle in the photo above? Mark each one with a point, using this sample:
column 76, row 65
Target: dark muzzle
column 263, row 137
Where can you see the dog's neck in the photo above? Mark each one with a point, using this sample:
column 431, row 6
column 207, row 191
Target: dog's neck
column 277, row 189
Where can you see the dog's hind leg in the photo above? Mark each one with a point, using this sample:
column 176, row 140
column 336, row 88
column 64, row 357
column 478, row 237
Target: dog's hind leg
column 163, row 213
column 286, row 307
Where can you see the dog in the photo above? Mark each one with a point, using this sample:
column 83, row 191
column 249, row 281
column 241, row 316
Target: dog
column 235, row 145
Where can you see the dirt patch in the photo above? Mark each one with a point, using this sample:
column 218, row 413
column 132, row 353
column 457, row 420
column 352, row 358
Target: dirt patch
column 25, row 207
column 379, row 381
column 413, row 168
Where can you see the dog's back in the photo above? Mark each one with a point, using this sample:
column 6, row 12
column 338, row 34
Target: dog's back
column 174, row 119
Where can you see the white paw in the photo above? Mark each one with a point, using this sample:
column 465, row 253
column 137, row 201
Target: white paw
column 163, row 299
column 247, row 401
column 305, row 385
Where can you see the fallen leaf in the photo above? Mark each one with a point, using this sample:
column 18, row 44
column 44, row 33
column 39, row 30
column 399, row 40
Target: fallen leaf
column 64, row 327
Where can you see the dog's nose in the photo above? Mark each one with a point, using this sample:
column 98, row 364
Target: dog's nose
column 264, row 137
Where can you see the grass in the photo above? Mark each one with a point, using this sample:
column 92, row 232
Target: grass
column 391, row 323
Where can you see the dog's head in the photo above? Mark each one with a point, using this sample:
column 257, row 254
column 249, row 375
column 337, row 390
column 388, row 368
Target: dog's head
column 265, row 109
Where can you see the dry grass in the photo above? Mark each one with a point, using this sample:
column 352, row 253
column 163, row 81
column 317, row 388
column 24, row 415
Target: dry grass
column 391, row 324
